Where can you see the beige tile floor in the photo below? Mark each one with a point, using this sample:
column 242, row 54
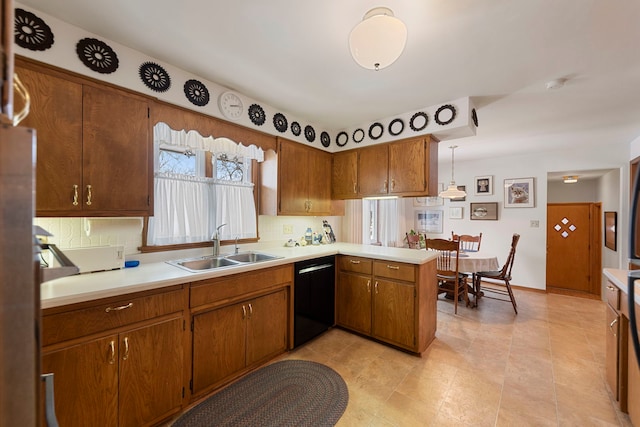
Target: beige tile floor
column 486, row 367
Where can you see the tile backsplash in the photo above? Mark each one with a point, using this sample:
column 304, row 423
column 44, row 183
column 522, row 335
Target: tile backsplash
column 71, row 232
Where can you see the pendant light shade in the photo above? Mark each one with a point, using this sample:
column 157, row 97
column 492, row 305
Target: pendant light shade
column 378, row 40
column 452, row 191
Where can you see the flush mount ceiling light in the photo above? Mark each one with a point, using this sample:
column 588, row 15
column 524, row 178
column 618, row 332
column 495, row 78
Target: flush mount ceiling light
column 570, row 179
column 452, row 191
column 556, row 84
column 378, row 40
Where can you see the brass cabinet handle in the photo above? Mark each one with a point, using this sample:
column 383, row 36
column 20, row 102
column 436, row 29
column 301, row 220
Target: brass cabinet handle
column 75, row 194
column 355, row 261
column 611, row 287
column 355, row 189
column 385, row 188
column 112, row 349
column 89, row 195
column 393, row 267
column 24, row 93
column 368, row 286
column 376, row 287
column 393, row 184
column 122, row 307
column 244, row 312
column 250, row 311
column 126, row 348
column 611, row 326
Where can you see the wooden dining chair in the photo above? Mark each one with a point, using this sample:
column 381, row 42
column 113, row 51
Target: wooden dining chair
column 447, row 274
column 468, row 243
column 497, row 278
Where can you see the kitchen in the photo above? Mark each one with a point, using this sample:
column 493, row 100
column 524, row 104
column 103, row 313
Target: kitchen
column 613, row 155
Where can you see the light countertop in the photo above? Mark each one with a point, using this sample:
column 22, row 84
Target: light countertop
column 619, row 278
column 154, row 275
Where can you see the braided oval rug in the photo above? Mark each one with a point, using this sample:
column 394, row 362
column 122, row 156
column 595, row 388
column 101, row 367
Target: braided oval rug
column 285, row 393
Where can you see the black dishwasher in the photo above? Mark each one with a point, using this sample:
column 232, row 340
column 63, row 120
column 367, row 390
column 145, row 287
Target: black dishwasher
column 314, row 298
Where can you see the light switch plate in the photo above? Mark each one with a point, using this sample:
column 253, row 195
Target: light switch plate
column 534, row 223
column 287, row 229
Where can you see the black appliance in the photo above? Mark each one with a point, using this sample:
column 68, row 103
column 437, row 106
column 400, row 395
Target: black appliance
column 634, row 258
column 314, row 298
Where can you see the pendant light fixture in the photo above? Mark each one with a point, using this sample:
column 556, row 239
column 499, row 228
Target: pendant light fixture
column 378, row 40
column 452, row 191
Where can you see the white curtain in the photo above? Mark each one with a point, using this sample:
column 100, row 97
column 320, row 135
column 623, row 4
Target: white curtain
column 352, row 221
column 389, row 221
column 188, row 209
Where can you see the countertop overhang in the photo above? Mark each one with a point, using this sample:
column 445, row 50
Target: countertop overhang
column 620, row 278
column 154, row 275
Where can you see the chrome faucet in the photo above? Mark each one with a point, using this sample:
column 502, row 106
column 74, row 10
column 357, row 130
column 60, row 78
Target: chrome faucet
column 216, row 240
column 236, row 251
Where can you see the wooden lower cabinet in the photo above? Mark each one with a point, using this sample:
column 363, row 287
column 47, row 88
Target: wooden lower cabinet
column 389, row 301
column 633, row 383
column 230, row 339
column 112, row 371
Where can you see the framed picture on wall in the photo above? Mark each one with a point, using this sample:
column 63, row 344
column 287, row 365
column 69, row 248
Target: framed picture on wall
column 455, row 213
column 519, row 193
column 483, row 185
column 429, row 221
column 484, row 211
column 610, row 223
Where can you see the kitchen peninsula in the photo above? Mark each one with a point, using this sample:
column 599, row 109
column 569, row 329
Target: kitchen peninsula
column 180, row 336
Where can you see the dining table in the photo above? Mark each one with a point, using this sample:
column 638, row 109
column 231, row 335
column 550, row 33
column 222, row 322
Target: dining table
column 472, row 262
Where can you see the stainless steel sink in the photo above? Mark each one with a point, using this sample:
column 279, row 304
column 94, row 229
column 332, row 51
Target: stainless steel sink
column 251, row 256
column 196, row 265
column 203, row 263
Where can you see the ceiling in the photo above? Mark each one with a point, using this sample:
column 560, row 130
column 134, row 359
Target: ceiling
column 294, row 55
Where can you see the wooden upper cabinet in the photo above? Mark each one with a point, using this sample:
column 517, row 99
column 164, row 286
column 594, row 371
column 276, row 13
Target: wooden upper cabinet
column 303, row 184
column 403, row 168
column 56, row 115
column 344, row 179
column 116, row 151
column 94, row 145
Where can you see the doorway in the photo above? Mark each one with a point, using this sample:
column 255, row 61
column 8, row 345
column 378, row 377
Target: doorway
column 573, row 248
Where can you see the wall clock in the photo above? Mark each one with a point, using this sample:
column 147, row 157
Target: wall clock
column 230, row 105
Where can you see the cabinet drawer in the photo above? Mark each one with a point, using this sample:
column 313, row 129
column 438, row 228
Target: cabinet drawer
column 239, row 285
column 395, row 270
column 355, row 264
column 613, row 295
column 108, row 315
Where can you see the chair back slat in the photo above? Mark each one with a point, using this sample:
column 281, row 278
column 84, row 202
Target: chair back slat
column 448, row 251
column 505, row 272
column 468, row 242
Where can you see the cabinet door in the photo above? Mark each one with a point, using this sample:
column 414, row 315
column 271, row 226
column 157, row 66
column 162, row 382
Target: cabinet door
column 219, row 345
column 612, row 351
column 150, row 386
column 407, row 166
column 267, row 326
column 85, row 382
column 373, row 167
column 344, row 178
column 633, row 382
column 116, row 152
column 292, row 178
column 353, row 302
column 394, row 312
column 319, row 182
column 56, row 115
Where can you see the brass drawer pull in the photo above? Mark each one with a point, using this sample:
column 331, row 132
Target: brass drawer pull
column 354, row 261
column 393, row 267
column 611, row 287
column 122, row 307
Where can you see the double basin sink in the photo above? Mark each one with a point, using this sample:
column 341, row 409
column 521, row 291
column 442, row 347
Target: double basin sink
column 199, row 264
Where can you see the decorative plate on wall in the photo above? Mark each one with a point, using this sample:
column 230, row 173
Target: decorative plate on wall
column 97, row 55
column 358, row 135
column 419, row 121
column 342, row 139
column 295, row 128
column 396, row 127
column 196, row 92
column 325, row 139
column 280, row 122
column 445, row 115
column 154, row 77
column 376, row 130
column 309, row 133
column 474, row 116
column 256, row 114
column 31, row 32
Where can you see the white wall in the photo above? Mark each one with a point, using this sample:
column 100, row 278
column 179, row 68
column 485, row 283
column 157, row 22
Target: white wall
column 530, row 265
